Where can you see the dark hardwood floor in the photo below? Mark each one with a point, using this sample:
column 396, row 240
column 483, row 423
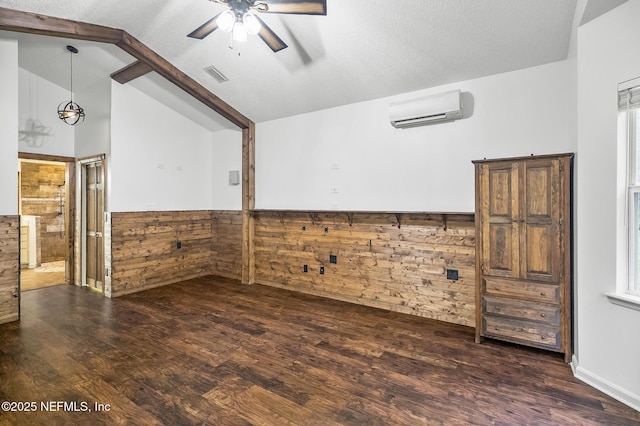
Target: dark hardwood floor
column 212, row 351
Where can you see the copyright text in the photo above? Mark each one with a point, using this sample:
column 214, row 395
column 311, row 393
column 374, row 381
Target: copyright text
column 53, row 406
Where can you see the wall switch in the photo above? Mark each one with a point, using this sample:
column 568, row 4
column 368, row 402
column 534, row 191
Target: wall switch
column 333, row 258
column 452, row 274
column 322, row 270
column 305, row 268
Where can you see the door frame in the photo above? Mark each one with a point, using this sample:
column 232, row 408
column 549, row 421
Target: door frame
column 70, row 208
column 80, row 265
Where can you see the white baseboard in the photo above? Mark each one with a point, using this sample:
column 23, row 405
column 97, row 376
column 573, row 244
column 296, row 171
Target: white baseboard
column 614, row 391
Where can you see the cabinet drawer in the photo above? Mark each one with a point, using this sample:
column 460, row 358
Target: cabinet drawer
column 525, row 332
column 529, row 290
column 547, row 314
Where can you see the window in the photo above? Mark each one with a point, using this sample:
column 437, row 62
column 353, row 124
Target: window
column 629, row 105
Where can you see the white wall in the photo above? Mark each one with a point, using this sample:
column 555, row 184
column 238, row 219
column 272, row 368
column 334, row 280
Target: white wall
column 227, row 155
column 94, row 135
column 160, row 160
column 8, row 127
column 39, row 100
column 374, row 166
column 572, row 116
column 608, row 346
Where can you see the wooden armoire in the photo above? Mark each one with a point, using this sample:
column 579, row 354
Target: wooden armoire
column 523, row 251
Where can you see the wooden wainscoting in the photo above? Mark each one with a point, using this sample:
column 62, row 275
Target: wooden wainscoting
column 145, row 253
column 9, row 268
column 393, row 261
column 227, row 244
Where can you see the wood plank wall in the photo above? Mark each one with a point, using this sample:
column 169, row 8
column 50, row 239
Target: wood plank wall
column 380, row 264
column 9, row 267
column 227, row 244
column 398, row 268
column 144, row 251
column 40, row 190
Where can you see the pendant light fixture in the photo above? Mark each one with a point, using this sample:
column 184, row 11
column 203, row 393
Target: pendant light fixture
column 238, row 23
column 70, row 112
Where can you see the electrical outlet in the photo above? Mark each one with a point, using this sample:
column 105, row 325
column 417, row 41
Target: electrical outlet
column 322, row 270
column 452, row 274
column 305, row 268
column 304, row 228
column 179, row 244
column 326, row 229
column 333, row 258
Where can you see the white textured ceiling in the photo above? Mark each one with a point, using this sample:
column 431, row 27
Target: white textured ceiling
column 361, row 50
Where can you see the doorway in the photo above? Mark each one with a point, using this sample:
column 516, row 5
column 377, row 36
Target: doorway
column 92, row 222
column 45, row 203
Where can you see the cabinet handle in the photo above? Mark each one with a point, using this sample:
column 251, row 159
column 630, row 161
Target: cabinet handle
column 497, row 288
column 542, row 293
column 497, row 309
column 542, row 315
column 542, row 337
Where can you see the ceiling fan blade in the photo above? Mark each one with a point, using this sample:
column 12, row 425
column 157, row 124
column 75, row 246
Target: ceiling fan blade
column 205, row 29
column 268, row 36
column 300, row 7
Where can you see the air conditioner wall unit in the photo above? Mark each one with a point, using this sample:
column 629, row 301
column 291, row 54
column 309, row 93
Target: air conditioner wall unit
column 431, row 109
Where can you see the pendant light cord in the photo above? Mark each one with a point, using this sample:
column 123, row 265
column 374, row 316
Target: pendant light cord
column 71, row 53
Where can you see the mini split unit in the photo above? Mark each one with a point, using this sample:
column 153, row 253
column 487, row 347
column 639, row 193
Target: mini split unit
column 426, row 110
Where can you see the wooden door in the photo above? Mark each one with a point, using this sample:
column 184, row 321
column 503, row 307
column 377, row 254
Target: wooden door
column 540, row 231
column 499, row 215
column 94, row 225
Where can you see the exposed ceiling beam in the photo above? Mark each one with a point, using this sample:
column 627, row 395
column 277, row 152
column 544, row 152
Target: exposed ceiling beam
column 131, row 72
column 163, row 67
column 32, row 23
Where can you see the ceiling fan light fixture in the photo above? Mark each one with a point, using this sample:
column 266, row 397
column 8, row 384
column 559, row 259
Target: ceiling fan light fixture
column 239, row 32
column 251, row 23
column 226, row 21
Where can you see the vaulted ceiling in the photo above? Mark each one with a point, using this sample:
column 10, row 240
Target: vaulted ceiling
column 361, row 50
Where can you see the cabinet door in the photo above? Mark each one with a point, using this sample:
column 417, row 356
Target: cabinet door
column 499, row 207
column 540, row 231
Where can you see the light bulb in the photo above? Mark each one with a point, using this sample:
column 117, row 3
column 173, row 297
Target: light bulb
column 226, row 20
column 239, row 32
column 251, row 23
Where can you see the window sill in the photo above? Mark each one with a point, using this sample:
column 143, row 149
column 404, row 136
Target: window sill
column 625, row 300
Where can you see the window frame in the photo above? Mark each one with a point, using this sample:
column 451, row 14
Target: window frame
column 633, row 191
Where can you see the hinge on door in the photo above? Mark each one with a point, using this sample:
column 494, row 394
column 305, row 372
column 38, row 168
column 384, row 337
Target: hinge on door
column 561, row 166
column 481, row 169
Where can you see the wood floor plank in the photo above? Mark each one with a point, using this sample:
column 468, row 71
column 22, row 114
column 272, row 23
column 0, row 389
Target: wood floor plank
column 213, row 351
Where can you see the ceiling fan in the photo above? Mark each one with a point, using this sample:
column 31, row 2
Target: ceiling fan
column 241, row 19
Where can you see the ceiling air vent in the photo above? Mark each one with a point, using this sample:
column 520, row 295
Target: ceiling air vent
column 216, row 74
